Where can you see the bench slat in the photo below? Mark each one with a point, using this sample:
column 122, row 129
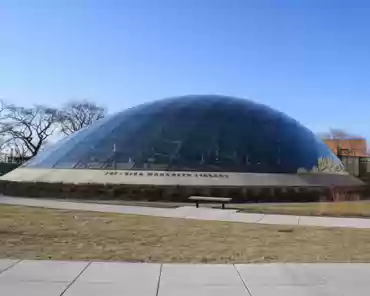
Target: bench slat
column 209, row 198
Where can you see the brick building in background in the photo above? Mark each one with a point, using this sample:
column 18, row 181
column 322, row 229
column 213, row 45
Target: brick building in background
column 348, row 147
column 354, row 155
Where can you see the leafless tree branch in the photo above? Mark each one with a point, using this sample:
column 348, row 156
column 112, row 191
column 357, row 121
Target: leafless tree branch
column 27, row 129
column 77, row 115
column 338, row 134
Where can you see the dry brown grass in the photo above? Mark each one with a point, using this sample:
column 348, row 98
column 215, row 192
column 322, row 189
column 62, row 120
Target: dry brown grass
column 335, row 209
column 57, row 234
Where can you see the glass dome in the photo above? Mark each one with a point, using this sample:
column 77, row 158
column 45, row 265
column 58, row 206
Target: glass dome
column 192, row 133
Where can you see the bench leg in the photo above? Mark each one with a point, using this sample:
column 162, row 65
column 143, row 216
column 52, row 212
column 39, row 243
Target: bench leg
column 223, row 205
column 197, row 204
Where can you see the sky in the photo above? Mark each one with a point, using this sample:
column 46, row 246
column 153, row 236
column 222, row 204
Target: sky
column 307, row 58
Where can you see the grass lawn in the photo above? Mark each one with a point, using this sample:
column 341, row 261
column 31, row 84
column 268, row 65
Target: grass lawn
column 335, row 209
column 35, row 233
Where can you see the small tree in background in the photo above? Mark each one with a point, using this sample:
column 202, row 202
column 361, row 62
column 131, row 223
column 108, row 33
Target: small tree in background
column 338, row 134
column 77, row 115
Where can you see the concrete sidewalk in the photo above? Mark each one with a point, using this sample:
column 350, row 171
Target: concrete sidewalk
column 190, row 212
column 68, row 278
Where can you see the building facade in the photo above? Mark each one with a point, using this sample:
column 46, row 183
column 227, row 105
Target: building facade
column 348, row 147
column 354, row 155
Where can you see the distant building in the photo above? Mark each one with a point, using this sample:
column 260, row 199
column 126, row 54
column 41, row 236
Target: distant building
column 354, row 155
column 19, row 159
column 348, row 147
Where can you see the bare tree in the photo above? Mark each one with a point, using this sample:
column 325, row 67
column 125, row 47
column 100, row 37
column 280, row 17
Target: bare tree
column 26, row 130
column 78, row 114
column 4, row 151
column 3, row 141
column 338, row 134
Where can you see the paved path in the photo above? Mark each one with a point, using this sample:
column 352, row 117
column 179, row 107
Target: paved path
column 74, row 278
column 190, row 212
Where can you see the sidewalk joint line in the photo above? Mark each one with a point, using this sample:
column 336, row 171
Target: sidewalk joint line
column 243, row 281
column 260, row 219
column 159, row 279
column 10, row 266
column 75, row 279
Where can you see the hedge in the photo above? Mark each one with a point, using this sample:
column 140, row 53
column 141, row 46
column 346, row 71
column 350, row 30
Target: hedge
column 177, row 193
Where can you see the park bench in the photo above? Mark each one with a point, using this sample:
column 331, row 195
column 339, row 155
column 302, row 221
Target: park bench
column 199, row 199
